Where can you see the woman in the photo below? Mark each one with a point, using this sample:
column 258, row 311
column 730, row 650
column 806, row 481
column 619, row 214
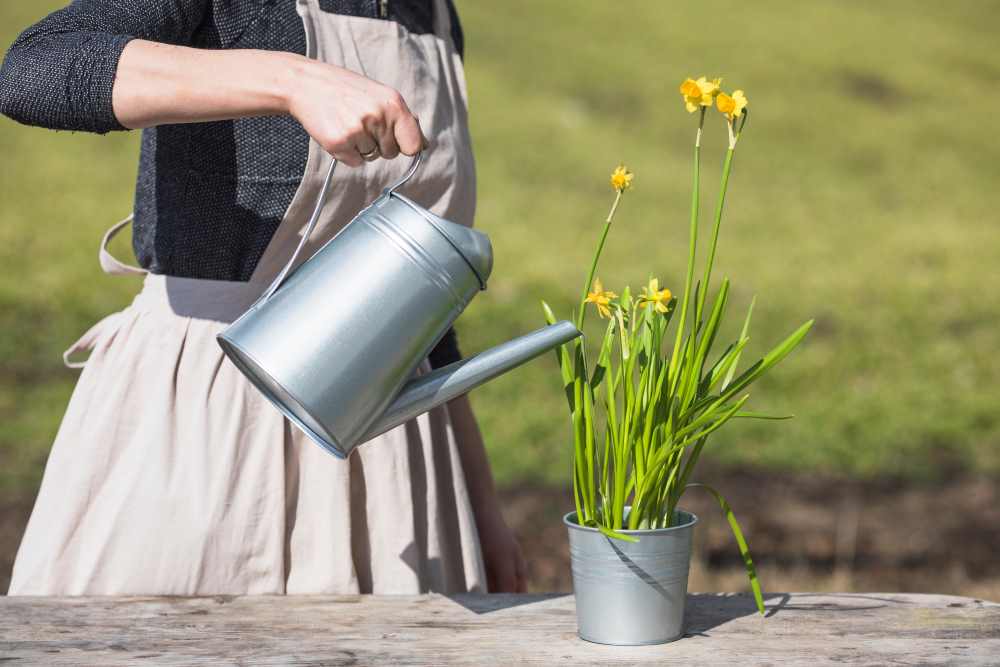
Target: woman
column 170, row 473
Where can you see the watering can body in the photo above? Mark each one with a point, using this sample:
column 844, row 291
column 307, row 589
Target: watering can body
column 335, row 342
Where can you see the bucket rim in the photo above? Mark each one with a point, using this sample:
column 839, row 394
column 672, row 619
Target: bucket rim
column 570, row 520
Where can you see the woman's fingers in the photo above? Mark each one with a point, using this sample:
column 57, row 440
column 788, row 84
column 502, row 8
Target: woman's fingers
column 402, row 133
column 380, row 125
column 353, row 146
column 368, row 149
column 408, row 135
column 350, row 158
column 354, row 118
column 521, row 572
column 366, row 139
column 502, row 579
column 344, row 150
column 506, row 569
column 385, row 140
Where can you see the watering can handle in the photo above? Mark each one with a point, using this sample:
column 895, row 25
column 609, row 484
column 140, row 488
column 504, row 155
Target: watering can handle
column 320, row 203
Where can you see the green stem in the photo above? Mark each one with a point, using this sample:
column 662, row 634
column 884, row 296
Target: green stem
column 726, row 168
column 590, row 445
column 597, row 256
column 580, row 480
column 692, row 246
column 583, row 420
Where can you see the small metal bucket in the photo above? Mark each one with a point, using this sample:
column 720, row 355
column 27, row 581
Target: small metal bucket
column 631, row 593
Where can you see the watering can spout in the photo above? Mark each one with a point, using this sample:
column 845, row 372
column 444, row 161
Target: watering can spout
column 444, row 384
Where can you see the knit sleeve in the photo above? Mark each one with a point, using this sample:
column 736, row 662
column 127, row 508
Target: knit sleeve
column 60, row 72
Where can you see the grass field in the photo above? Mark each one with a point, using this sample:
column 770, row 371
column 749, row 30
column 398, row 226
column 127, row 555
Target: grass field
column 864, row 195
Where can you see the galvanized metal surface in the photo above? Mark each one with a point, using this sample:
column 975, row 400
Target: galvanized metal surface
column 333, row 341
column 723, row 629
column 631, row 593
column 463, row 376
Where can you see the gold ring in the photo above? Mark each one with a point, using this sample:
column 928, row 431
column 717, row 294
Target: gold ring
column 370, row 154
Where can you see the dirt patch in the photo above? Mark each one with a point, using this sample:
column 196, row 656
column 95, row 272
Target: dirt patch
column 806, row 533
column 809, row 533
column 13, row 517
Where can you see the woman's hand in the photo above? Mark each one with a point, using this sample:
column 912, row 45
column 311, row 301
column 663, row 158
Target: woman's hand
column 351, row 116
column 347, row 114
column 506, row 570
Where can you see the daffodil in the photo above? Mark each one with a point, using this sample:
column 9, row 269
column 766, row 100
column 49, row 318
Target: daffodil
column 600, row 298
column 621, row 178
column 732, row 106
column 699, row 92
column 654, row 296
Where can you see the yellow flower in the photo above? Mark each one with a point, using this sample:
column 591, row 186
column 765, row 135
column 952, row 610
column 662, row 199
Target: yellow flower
column 600, row 298
column 732, row 106
column 699, row 93
column 621, row 178
column 653, row 295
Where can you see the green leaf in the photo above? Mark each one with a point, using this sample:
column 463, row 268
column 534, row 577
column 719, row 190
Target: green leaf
column 780, row 351
column 726, row 365
column 626, row 298
column 712, row 328
column 743, row 340
column 623, row 331
column 761, row 415
column 740, row 542
column 562, row 357
column 550, row 317
column 728, row 411
column 671, row 308
column 604, row 358
column 615, row 535
column 592, row 523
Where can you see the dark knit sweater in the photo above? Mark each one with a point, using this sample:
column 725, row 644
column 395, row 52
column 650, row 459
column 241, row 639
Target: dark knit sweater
column 209, row 196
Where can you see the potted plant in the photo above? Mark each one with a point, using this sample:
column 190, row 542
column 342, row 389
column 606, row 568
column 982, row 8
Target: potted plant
column 642, row 413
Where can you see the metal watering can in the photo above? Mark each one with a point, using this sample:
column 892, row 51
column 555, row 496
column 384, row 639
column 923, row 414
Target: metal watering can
column 334, row 343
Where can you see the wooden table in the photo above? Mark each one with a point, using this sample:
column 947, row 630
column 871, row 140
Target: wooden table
column 799, row 628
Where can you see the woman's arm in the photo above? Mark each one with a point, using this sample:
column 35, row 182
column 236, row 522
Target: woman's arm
column 60, row 72
column 506, row 570
column 344, row 112
column 102, row 65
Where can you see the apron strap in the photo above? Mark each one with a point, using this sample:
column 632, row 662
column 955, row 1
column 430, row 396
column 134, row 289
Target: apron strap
column 110, row 264
column 442, row 21
column 88, row 340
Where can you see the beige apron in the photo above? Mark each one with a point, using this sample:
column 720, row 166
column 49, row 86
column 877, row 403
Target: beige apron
column 172, row 475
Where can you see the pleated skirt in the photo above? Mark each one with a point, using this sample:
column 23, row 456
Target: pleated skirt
column 172, row 475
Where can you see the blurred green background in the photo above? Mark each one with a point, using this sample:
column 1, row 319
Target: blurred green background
column 864, row 195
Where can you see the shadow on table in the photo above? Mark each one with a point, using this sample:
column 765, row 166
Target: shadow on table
column 706, row 611
column 485, row 604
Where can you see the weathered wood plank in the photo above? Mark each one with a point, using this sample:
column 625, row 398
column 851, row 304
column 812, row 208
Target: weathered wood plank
column 480, row 630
